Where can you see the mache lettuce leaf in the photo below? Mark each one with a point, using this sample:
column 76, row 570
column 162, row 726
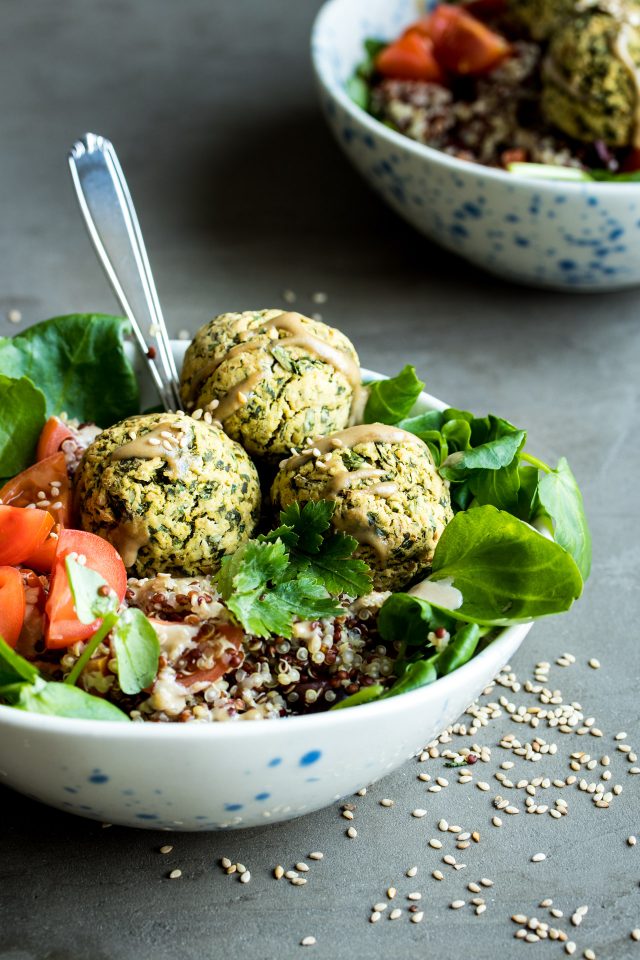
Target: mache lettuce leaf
column 22, row 417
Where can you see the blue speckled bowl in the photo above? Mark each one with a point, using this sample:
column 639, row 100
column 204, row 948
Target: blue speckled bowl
column 570, row 236
column 227, row 775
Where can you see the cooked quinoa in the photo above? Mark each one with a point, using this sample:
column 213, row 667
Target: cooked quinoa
column 271, row 378
column 388, row 495
column 169, row 492
column 324, row 661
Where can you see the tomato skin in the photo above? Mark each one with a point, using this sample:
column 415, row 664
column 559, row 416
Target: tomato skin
column 463, row 44
column 54, row 433
column 63, row 626
column 21, row 532
column 12, row 604
column 410, row 58
column 23, row 489
column 42, row 559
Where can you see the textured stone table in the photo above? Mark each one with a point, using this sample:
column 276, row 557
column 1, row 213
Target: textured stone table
column 241, row 195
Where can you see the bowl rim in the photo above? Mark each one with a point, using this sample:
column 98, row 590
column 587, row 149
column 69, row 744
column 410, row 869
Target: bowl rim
column 402, row 142
column 22, row 719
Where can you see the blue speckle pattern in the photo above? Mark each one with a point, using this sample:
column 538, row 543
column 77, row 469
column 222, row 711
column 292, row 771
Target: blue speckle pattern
column 311, row 757
column 527, row 231
column 275, row 762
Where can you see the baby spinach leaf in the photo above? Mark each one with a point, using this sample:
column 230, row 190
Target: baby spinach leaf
column 459, row 650
column 22, row 417
column 13, row 667
column 86, row 586
column 407, row 619
column 492, row 455
column 79, row 363
column 391, row 400
column 560, row 497
column 61, row 700
column 500, row 488
column 364, row 695
column 137, row 650
column 418, row 674
column 505, row 570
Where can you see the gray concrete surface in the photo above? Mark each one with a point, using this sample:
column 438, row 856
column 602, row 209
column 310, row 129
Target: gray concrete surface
column 242, row 194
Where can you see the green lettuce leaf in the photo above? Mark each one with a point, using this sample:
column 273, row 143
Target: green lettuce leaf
column 22, row 417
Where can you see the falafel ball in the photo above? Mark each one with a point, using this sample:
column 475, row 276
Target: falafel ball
column 388, row 495
column 271, row 378
column 590, row 87
column 172, row 494
column 540, row 18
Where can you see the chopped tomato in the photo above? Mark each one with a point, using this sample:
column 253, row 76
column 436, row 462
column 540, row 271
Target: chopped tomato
column 43, row 557
column 12, row 604
column 21, row 532
column 63, row 626
column 48, row 477
column 410, row 58
column 54, row 433
column 464, row 45
column 227, row 660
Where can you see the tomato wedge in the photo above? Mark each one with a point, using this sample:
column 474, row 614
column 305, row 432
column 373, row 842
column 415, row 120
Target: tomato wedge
column 48, row 477
column 12, row 604
column 54, row 433
column 462, row 44
column 63, row 626
column 43, row 558
column 410, row 58
column 21, row 532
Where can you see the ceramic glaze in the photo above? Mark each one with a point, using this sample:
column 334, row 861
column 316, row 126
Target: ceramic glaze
column 573, row 236
column 195, row 776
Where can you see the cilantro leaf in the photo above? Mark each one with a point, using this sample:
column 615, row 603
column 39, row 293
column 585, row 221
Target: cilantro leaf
column 265, row 592
column 317, row 551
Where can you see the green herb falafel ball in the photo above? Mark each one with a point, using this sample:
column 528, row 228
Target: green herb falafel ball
column 590, row 83
column 271, row 378
column 540, row 17
column 172, row 494
column 388, row 495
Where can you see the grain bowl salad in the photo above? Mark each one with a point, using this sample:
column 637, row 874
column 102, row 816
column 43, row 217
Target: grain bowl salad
column 294, row 540
column 547, row 88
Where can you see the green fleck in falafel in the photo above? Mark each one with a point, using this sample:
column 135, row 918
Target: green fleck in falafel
column 590, row 78
column 388, row 495
column 272, row 378
column 172, row 494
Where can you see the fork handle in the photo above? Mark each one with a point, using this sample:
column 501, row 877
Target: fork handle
column 110, row 217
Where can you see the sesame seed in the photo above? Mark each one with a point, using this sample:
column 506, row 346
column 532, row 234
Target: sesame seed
column 375, row 916
column 302, row 867
column 175, row 874
column 456, row 904
column 635, row 934
column 437, row 875
column 395, row 914
column 569, row 947
column 417, row 917
column 631, row 841
column 556, row 913
column 386, row 803
column 538, row 857
column 474, row 888
column 480, row 909
column 316, row 855
column 449, row 859
column 414, row 896
column 14, row 316
column 589, row 954
column 411, row 872
column 391, row 892
column 352, row 833
column 485, row 882
column 519, row 918
column 245, row 876
column 278, row 872
column 290, row 875
column 436, row 844
column 496, row 821
column 482, row 785
column 443, row 825
column 594, row 663
column 418, row 813
column 347, row 814
column 308, row 942
column 296, row 882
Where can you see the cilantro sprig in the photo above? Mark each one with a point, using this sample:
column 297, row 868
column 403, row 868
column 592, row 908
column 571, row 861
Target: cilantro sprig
column 297, row 570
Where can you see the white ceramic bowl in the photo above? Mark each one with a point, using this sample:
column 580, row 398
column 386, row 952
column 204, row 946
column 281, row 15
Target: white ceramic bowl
column 208, row 777
column 575, row 236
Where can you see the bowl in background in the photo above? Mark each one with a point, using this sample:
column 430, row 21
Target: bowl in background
column 194, row 776
column 563, row 235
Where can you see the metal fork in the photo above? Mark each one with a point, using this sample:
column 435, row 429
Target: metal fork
column 110, row 217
